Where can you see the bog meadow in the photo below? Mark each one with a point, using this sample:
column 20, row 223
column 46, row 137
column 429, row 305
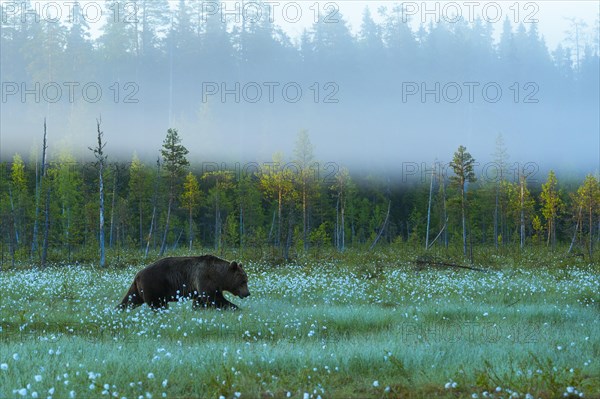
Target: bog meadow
column 342, row 326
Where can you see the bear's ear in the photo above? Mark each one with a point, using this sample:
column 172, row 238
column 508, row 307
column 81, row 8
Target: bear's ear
column 233, row 265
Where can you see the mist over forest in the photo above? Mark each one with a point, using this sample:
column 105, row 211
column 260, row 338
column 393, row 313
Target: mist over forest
column 387, row 96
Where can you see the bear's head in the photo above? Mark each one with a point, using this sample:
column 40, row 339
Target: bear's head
column 238, row 280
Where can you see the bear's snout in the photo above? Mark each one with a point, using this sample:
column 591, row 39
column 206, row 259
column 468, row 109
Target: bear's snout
column 244, row 293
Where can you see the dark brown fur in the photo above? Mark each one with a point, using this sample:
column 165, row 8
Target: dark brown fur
column 201, row 278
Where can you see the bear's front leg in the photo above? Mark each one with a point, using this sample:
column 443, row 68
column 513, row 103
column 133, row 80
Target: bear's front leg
column 221, row 302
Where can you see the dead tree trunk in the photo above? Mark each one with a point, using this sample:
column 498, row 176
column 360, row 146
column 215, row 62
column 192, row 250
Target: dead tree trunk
column 154, row 202
column 38, row 187
column 382, row 226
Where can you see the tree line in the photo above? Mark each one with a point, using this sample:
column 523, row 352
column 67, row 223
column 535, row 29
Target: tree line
column 70, row 210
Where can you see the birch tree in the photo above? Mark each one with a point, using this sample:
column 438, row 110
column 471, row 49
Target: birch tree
column 277, row 183
column 190, row 200
column 551, row 206
column 304, row 156
column 138, row 191
column 17, row 191
column 588, row 202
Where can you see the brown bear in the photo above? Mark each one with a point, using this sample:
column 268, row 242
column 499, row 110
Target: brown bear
column 201, row 278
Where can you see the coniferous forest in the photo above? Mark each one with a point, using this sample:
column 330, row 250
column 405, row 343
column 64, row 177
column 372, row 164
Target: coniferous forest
column 164, row 71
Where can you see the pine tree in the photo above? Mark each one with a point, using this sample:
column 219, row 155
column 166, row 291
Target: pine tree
column 174, row 162
column 462, row 165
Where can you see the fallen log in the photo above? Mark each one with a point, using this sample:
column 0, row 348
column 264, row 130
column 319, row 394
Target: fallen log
column 426, row 261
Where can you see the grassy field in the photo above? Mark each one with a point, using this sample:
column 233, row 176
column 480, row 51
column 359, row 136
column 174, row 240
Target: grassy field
column 310, row 329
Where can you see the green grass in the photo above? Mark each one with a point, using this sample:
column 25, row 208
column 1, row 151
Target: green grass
column 330, row 328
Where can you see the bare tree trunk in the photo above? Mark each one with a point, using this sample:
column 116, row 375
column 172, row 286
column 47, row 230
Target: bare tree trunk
column 217, row 222
column 464, row 224
column 102, row 253
column 382, row 226
column 38, row 187
column 154, row 202
column 288, row 241
column 37, row 212
column 279, row 210
column 548, row 238
column 150, row 233
column 11, row 243
column 522, row 199
column 591, row 241
column 576, row 229
column 241, row 229
column 141, row 225
column 337, row 223
column 429, row 209
column 112, row 208
column 343, row 226
column 444, row 229
column 496, row 219
column 46, row 229
column 163, row 246
column 272, row 227
column 14, row 217
column 304, row 220
column 190, row 229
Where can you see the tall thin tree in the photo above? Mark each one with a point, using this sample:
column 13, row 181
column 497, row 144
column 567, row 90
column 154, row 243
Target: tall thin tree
column 175, row 162
column 190, row 199
column 100, row 164
column 463, row 167
column 154, row 205
column 38, row 186
column 304, row 156
column 551, row 206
